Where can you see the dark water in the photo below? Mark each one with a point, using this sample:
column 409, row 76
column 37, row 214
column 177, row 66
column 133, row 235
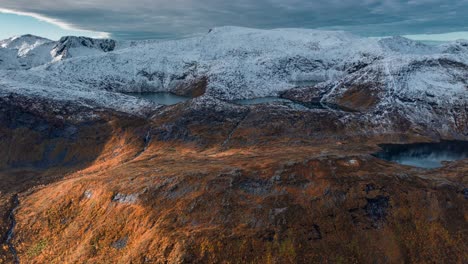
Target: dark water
column 11, row 230
column 283, row 101
column 163, row 98
column 424, row 155
column 296, row 104
column 262, row 100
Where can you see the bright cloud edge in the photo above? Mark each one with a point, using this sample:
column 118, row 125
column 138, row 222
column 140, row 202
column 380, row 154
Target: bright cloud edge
column 53, row 21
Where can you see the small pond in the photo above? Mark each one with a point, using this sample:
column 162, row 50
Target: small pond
column 424, row 155
column 163, row 98
column 296, row 104
column 271, row 99
column 262, row 100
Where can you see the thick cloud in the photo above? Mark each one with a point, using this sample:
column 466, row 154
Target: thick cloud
column 133, row 19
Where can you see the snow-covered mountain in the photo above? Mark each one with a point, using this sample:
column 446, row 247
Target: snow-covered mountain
column 239, row 62
column 24, row 52
column 422, row 82
column 24, row 44
column 32, row 51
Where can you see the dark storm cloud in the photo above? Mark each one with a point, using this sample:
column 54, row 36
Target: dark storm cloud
column 133, row 19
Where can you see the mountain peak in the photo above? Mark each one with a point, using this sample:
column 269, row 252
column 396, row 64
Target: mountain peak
column 24, row 43
column 404, row 45
column 81, row 45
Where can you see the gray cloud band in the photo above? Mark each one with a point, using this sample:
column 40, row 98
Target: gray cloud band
column 134, row 19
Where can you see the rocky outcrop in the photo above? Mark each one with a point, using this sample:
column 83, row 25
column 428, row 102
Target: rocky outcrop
column 191, row 88
column 70, row 46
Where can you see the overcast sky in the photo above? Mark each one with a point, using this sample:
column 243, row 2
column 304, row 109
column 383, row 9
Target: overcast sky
column 143, row 19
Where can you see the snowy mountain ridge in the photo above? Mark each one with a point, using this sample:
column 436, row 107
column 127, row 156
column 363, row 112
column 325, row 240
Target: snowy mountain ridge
column 70, row 46
column 233, row 58
column 379, row 76
column 24, row 44
column 32, row 51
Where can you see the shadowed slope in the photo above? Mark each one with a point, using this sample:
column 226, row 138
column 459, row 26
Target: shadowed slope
column 42, row 142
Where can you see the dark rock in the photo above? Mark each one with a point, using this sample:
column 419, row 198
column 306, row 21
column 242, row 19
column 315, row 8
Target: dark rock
column 369, row 187
column 376, row 208
column 193, row 88
column 121, row 243
column 315, row 233
column 255, row 187
column 465, row 193
column 66, row 43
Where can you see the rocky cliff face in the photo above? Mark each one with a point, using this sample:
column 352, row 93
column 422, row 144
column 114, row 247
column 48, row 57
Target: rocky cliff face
column 70, row 46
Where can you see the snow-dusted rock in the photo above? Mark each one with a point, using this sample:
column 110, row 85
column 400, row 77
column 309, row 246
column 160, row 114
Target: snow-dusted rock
column 32, row 86
column 68, row 47
column 403, row 45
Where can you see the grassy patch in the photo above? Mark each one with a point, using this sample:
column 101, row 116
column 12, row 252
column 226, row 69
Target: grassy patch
column 37, row 248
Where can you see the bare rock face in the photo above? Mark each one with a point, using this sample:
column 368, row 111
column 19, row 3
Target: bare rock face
column 307, row 94
column 191, row 88
column 69, row 46
column 360, row 97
